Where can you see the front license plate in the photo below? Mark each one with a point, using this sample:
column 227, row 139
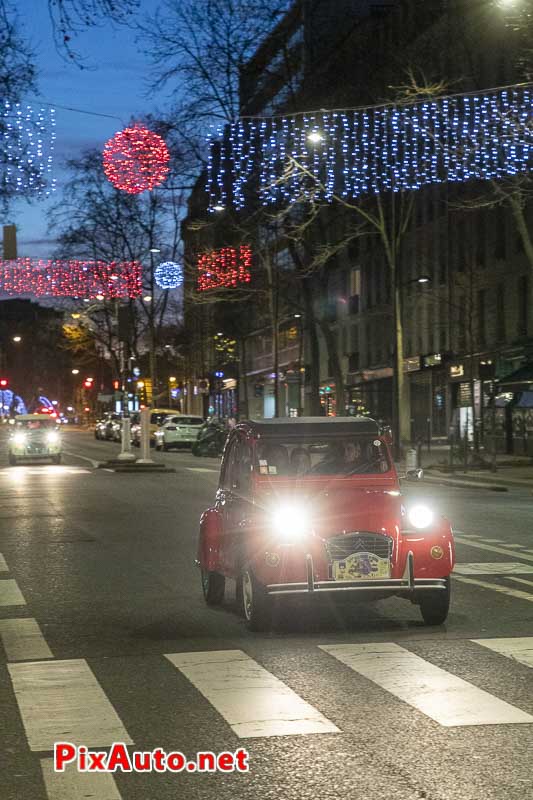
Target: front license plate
column 361, row 566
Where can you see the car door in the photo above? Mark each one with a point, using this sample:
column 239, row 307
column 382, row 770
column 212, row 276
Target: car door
column 235, row 502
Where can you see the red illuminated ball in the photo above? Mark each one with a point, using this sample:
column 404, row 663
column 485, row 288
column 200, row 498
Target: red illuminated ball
column 136, row 160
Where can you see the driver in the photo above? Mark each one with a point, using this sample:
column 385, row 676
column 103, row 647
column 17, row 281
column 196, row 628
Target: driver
column 353, row 456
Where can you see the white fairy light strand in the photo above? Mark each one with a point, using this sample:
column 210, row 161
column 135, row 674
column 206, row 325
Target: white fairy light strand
column 369, row 151
column 28, row 138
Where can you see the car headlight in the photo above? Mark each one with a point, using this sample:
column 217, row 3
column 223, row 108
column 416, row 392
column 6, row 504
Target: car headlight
column 19, row 438
column 52, row 437
column 420, row 516
column 290, row 522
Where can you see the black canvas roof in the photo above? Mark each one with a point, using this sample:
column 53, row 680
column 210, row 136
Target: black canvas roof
column 310, row 426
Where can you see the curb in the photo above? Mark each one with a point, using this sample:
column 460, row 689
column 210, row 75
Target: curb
column 133, row 467
column 491, row 487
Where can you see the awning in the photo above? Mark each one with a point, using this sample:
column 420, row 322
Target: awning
column 521, row 380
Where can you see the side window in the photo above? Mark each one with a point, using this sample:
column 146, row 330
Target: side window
column 238, row 464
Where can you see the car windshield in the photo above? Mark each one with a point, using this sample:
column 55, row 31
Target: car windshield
column 36, row 424
column 322, row 456
column 188, row 421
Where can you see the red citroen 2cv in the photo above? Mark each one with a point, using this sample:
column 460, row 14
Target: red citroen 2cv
column 312, row 506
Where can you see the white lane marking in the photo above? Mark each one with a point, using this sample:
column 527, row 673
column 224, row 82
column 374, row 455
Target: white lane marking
column 490, row 568
column 201, row 469
column 252, row 700
column 443, row 697
column 528, row 551
column 514, row 546
column 73, row 785
column 23, row 640
column 491, row 541
column 10, row 594
column 501, row 589
column 518, row 649
column 3, row 564
column 83, row 458
column 492, row 549
column 63, row 701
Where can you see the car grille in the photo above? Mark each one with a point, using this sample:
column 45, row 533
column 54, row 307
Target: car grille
column 340, row 547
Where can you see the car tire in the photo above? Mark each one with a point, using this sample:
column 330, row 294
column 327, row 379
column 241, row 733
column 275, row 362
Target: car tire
column 165, row 448
column 12, row 460
column 213, row 587
column 434, row 606
column 256, row 604
column 56, row 459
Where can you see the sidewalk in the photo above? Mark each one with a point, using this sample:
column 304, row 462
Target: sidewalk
column 511, row 471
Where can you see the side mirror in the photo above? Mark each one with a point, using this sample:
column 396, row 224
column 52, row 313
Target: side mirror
column 386, row 434
column 414, row 474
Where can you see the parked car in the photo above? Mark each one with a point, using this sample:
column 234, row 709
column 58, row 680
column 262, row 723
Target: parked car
column 34, row 437
column 211, row 439
column 178, row 431
column 157, row 418
column 312, row 506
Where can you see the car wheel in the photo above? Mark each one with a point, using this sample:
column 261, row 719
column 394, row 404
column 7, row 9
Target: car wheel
column 12, row 460
column 434, row 606
column 256, row 604
column 213, row 586
column 56, row 459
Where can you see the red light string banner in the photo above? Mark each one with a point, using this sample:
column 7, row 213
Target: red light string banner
column 224, row 268
column 71, row 278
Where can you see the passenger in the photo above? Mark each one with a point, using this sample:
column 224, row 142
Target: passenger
column 300, row 461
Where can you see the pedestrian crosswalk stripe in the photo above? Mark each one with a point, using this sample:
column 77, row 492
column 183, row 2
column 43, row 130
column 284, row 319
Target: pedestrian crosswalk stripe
column 201, row 469
column 520, row 595
column 520, row 580
column 73, row 785
column 443, row 697
column 63, row 701
column 23, row 640
column 3, row 564
column 490, row 568
column 10, row 594
column 252, row 700
column 494, row 549
column 518, row 649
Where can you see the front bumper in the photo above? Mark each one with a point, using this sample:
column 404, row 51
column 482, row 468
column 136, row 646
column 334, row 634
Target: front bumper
column 407, row 584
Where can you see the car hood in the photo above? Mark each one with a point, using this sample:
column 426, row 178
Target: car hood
column 332, row 510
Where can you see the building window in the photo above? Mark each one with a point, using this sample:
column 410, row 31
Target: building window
column 523, row 304
column 500, row 313
column 480, row 241
column 500, row 244
column 354, row 290
column 481, row 317
column 353, row 362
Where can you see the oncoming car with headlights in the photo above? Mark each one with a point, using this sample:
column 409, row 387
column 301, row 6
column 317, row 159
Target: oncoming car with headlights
column 34, row 437
column 312, row 506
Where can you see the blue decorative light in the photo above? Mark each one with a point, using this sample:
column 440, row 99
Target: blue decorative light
column 168, row 275
column 370, row 151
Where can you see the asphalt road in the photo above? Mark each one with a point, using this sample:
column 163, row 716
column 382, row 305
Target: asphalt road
column 98, row 585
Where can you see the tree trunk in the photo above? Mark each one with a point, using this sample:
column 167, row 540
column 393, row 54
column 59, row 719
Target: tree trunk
column 312, row 369
column 331, row 339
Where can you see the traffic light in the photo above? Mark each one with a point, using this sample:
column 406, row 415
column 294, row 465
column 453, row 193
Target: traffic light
column 116, row 385
column 4, row 383
column 88, row 383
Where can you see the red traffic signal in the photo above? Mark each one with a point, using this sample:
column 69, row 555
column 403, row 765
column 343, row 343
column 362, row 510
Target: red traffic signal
column 116, row 384
column 3, row 383
column 88, row 384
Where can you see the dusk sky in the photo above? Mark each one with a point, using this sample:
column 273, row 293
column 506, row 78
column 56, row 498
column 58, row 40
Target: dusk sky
column 114, row 83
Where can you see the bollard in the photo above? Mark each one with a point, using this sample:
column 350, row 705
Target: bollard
column 411, row 459
column 125, row 451
column 145, row 438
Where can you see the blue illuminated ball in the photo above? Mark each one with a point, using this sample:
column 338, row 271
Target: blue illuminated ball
column 168, row 275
